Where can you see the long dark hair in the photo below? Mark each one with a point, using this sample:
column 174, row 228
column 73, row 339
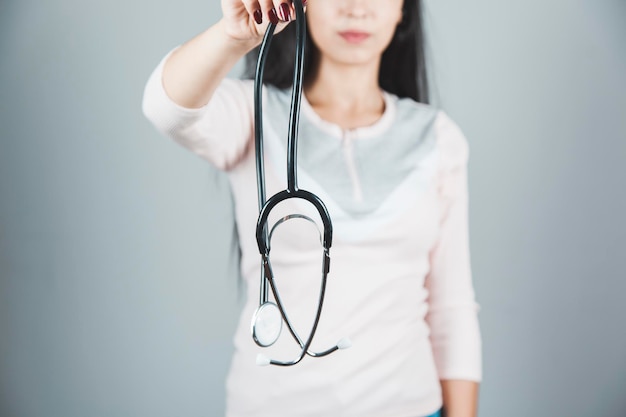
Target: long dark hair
column 402, row 68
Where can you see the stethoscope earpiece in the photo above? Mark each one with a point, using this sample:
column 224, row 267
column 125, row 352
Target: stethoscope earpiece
column 262, row 360
column 344, row 343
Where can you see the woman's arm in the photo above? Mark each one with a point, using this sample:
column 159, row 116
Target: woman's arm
column 460, row 398
column 452, row 307
column 188, row 97
column 192, row 72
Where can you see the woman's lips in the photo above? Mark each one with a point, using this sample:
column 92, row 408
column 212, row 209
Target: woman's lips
column 354, row 36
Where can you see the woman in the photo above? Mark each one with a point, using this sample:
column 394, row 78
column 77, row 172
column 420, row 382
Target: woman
column 392, row 171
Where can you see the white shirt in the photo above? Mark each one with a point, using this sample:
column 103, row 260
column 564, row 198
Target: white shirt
column 400, row 284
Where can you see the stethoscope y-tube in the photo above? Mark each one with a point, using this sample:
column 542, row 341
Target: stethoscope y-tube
column 268, row 318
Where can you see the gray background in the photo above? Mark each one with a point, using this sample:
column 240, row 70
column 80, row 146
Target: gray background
column 118, row 279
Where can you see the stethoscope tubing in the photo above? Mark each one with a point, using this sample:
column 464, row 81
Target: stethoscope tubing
column 292, row 191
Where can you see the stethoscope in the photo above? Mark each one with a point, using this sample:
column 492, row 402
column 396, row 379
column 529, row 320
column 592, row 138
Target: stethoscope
column 268, row 318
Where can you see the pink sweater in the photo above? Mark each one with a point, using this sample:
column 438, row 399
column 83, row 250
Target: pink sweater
column 400, row 284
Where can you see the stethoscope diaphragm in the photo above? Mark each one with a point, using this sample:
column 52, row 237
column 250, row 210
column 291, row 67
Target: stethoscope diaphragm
column 267, row 324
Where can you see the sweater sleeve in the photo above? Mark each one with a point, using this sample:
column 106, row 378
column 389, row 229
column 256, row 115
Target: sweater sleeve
column 452, row 308
column 218, row 132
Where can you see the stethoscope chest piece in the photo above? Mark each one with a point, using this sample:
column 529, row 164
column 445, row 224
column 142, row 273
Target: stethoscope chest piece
column 267, row 324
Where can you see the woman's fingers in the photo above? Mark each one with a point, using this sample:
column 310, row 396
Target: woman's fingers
column 275, row 11
column 284, row 10
column 292, row 8
column 254, row 10
column 279, row 10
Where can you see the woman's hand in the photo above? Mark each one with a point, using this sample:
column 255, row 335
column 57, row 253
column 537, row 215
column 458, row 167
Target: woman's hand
column 247, row 20
column 192, row 72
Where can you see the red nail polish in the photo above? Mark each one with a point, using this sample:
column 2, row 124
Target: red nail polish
column 258, row 16
column 285, row 12
column 273, row 17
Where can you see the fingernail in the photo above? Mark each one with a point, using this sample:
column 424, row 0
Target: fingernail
column 258, row 16
column 273, row 17
column 285, row 12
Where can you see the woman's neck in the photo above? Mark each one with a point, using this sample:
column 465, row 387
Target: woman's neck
column 348, row 96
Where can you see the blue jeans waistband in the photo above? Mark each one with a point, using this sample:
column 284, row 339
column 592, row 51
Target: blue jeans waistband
column 436, row 414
